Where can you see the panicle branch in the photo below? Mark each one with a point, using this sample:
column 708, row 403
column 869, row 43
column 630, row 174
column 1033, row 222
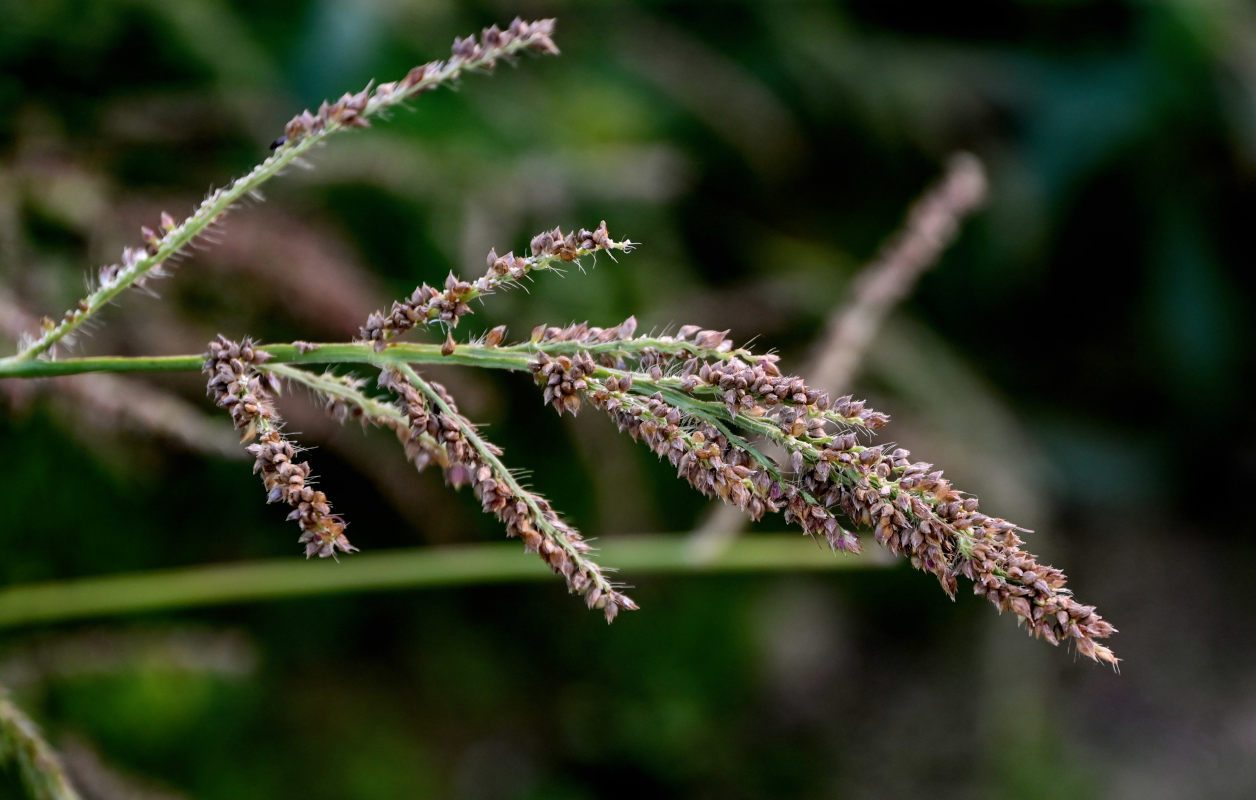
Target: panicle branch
column 470, row 459
column 434, row 430
column 354, row 110
column 140, row 264
column 446, row 306
column 236, row 384
column 701, row 453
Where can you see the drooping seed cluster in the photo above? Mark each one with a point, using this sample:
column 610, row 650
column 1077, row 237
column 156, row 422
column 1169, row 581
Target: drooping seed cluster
column 1013, row 580
column 910, row 507
column 469, row 459
column 322, row 532
column 352, row 110
column 913, row 510
column 429, row 305
column 422, row 426
column 247, row 393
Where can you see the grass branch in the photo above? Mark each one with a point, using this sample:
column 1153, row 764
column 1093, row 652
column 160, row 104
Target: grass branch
column 302, row 133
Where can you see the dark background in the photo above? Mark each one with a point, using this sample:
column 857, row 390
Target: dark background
column 1075, row 360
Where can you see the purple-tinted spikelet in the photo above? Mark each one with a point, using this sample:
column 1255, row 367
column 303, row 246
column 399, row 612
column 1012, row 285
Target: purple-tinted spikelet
column 436, row 431
column 564, row 379
column 353, row 110
column 467, row 458
column 248, row 394
column 427, row 304
column 701, row 453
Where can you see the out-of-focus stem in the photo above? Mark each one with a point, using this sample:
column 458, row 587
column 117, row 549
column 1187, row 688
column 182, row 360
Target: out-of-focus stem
column 931, row 225
column 37, row 762
column 414, row 568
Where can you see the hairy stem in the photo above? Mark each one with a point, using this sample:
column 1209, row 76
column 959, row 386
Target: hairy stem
column 343, row 353
column 334, row 386
column 303, row 133
column 345, row 397
column 174, row 241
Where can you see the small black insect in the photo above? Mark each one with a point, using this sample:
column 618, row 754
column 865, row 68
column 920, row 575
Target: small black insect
column 278, row 143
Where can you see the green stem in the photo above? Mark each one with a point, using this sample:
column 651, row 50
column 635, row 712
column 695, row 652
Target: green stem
column 426, row 567
column 512, row 357
column 335, row 386
column 37, row 762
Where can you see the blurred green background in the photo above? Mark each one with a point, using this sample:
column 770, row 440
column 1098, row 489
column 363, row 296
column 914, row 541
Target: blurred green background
column 1076, row 360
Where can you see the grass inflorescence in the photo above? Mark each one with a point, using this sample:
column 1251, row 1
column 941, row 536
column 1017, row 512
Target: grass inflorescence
column 731, row 422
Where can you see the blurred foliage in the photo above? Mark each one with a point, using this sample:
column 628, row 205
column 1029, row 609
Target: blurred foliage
column 1093, row 317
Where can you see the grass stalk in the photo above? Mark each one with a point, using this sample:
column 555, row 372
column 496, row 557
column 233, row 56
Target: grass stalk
column 22, row 744
column 411, row 568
